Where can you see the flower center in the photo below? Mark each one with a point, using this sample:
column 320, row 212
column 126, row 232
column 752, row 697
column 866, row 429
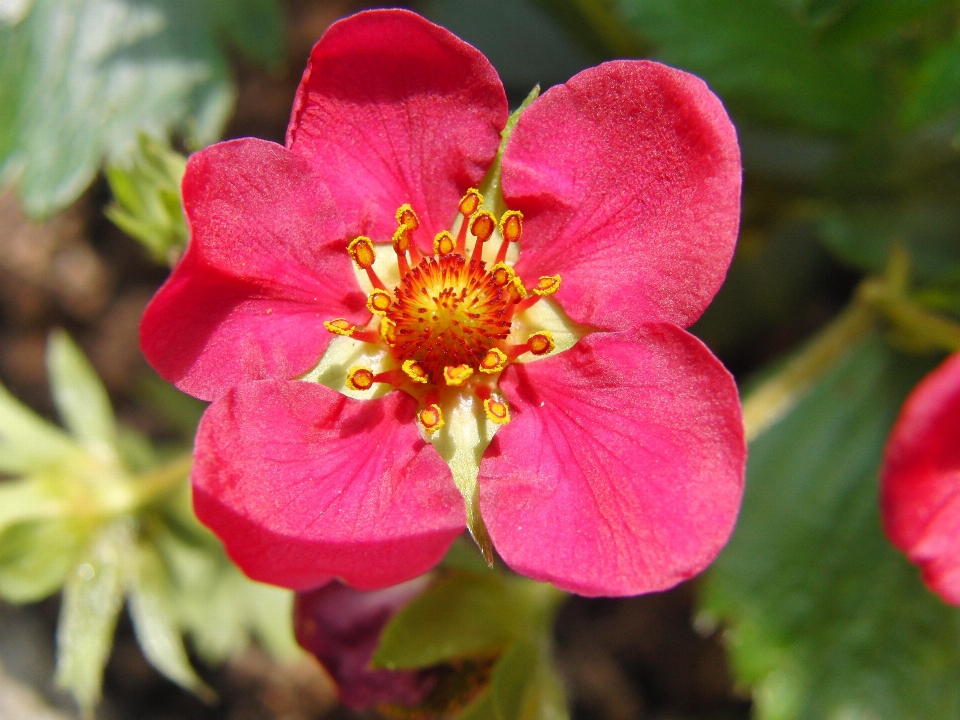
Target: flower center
column 447, row 322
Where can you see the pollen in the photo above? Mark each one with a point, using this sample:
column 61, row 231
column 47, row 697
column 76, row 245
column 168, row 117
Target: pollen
column 494, row 361
column 547, row 285
column 379, row 302
column 431, row 418
column 470, row 202
column 443, row 243
column 415, row 371
column 502, row 274
column 360, row 378
column 401, row 239
column 407, row 217
column 361, row 250
column 483, row 226
column 497, row 411
column 511, row 226
column 340, row 326
column 388, row 332
column 457, row 375
column 541, row 343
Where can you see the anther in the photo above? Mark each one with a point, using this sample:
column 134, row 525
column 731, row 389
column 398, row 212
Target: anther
column 516, row 289
column 494, row 361
column 457, row 375
column 340, row 326
column 497, row 411
column 443, row 243
column 407, row 217
column 547, row 285
column 431, row 418
column 511, row 228
column 470, row 203
column 388, row 332
column 502, row 274
column 361, row 250
column 541, row 343
column 360, row 378
column 379, row 302
column 415, row 371
column 482, row 227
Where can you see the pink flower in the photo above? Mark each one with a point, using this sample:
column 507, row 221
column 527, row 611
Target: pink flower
column 352, row 433
column 920, row 480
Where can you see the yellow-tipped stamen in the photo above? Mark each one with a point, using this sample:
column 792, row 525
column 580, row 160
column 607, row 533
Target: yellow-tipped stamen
column 482, row 227
column 494, row 361
column 340, row 326
column 443, row 243
column 541, row 343
column 457, row 375
column 415, row 371
column 431, row 418
column 546, row 285
column 516, row 289
column 502, row 274
column 388, row 332
column 407, row 217
column 361, row 250
column 470, row 203
column 360, row 378
column 401, row 243
column 379, row 302
column 497, row 411
column 511, row 228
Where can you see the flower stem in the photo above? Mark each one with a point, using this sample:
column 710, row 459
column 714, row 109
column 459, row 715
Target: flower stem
column 150, row 486
column 912, row 321
column 778, row 394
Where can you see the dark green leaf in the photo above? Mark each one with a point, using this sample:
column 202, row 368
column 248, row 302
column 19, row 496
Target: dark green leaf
column 92, row 599
column 934, row 89
column 461, row 615
column 762, row 60
column 826, row 619
column 256, row 27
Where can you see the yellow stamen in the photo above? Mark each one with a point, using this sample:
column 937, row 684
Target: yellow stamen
column 547, row 285
column 457, row 375
column 359, row 378
column 483, row 226
column 494, row 361
column 415, row 371
column 407, row 217
column 443, row 243
column 401, row 239
column 511, row 225
column 497, row 411
column 340, row 326
column 541, row 343
column 502, row 274
column 361, row 250
column 388, row 332
column 470, row 202
column 431, row 418
column 379, row 302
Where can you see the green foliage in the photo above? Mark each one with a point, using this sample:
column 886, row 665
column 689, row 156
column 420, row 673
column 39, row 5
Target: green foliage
column 826, row 619
column 146, row 199
column 93, row 513
column 80, row 80
column 475, row 613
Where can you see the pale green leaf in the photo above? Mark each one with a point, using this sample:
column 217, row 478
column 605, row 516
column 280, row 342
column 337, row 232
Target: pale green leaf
column 461, row 615
column 92, row 599
column 80, row 397
column 151, row 605
column 30, row 499
column 254, row 26
column 29, row 443
column 35, row 557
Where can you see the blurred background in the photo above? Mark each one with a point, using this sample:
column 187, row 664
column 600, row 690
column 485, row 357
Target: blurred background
column 848, row 112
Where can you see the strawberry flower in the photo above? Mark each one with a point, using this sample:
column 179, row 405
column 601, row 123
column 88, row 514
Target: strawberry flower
column 920, row 492
column 422, row 313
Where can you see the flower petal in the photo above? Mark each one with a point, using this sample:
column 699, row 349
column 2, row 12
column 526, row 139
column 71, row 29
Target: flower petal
column 920, row 481
column 302, row 484
column 628, row 177
column 249, row 297
column 621, row 471
column 393, row 109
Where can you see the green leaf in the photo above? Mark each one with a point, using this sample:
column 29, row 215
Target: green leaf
column 98, row 73
column 80, row 397
column 35, row 557
column 92, row 599
column 933, row 90
column 13, row 57
column 154, row 621
column 763, row 61
column 28, row 443
column 461, row 615
column 525, row 685
column 826, row 619
column 31, row 499
column 146, row 191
